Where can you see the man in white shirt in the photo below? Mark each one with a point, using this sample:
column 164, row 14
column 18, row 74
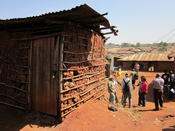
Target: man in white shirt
column 157, row 84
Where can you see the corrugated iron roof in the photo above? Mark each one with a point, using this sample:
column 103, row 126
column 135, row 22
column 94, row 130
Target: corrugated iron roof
column 82, row 14
column 146, row 57
column 172, row 54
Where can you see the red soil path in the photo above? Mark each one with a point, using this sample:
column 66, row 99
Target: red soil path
column 95, row 116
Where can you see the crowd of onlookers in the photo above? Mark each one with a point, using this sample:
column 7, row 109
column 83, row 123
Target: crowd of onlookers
column 161, row 85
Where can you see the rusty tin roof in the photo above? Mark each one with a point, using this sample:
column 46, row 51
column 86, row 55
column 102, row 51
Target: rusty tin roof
column 172, row 54
column 146, row 57
column 82, row 14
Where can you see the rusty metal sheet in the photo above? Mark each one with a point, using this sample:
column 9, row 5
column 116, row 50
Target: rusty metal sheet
column 43, row 91
column 80, row 14
column 146, row 57
column 172, row 54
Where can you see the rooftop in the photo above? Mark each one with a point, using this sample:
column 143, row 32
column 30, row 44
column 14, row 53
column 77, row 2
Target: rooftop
column 83, row 15
column 147, row 57
column 172, row 54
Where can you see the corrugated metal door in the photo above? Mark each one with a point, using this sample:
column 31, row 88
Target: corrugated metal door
column 44, row 91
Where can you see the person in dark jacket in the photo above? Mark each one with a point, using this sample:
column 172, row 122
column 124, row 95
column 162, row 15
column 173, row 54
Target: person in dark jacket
column 166, row 77
column 134, row 76
column 127, row 91
column 172, row 84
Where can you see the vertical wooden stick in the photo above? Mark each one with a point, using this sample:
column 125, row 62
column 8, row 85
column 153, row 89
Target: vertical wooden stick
column 60, row 74
column 29, row 75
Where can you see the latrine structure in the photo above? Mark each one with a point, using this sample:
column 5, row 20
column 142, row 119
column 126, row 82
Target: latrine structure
column 54, row 62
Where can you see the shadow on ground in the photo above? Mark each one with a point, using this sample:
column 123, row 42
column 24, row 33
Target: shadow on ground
column 14, row 120
column 171, row 128
column 145, row 110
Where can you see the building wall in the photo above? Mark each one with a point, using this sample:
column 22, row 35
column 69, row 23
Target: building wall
column 83, row 68
column 13, row 72
column 4, row 47
column 147, row 66
column 163, row 66
column 127, row 65
column 80, row 74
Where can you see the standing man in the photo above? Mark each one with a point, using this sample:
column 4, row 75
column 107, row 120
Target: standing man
column 134, row 76
column 157, row 85
column 166, row 77
column 172, row 84
column 137, row 67
column 112, row 91
column 127, row 91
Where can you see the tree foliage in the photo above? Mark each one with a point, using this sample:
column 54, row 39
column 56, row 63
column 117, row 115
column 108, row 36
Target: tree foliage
column 161, row 46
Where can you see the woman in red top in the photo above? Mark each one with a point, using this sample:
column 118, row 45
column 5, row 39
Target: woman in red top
column 143, row 91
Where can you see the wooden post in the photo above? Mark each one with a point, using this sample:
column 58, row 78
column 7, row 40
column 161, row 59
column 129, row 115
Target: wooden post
column 61, row 51
column 174, row 66
column 55, row 73
column 29, row 75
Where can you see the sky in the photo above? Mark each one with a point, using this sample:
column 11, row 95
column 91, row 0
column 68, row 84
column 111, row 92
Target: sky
column 143, row 21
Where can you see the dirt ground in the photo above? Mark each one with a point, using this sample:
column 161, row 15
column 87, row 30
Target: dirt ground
column 95, row 116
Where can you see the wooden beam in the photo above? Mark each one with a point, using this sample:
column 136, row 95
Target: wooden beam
column 13, row 98
column 29, row 75
column 85, row 99
column 87, row 91
column 78, row 53
column 14, row 106
column 37, row 36
column 94, row 22
column 82, row 85
column 106, row 38
column 33, row 29
column 91, row 17
column 19, row 81
column 13, row 87
column 107, row 33
column 88, row 76
column 77, row 62
column 104, row 28
column 83, row 93
column 83, row 67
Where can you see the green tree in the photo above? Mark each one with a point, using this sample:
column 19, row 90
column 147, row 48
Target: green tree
column 137, row 44
column 125, row 45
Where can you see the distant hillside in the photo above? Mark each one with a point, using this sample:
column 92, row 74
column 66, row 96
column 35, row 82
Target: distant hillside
column 121, row 51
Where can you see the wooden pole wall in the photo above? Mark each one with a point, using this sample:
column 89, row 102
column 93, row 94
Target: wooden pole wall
column 60, row 38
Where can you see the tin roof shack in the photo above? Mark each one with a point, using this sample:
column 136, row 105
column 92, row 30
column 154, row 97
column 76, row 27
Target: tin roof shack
column 172, row 56
column 54, row 62
column 148, row 62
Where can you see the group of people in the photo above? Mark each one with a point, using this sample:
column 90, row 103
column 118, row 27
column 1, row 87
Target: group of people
column 169, row 84
column 129, row 84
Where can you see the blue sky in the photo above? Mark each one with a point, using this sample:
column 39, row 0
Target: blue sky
column 144, row 21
